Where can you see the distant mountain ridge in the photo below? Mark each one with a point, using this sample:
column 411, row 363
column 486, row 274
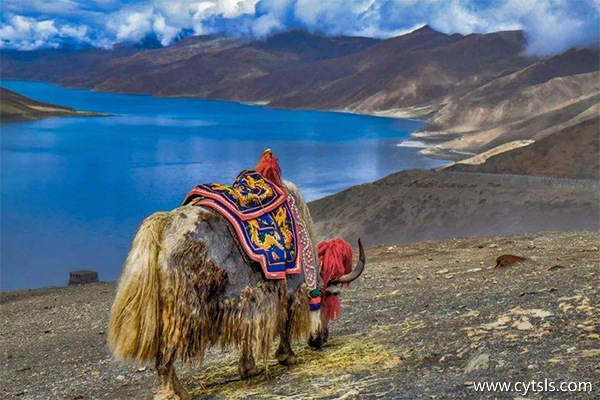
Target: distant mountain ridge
column 476, row 91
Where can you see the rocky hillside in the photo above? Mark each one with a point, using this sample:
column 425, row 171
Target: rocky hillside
column 425, row 321
column 415, row 205
column 14, row 107
column 479, row 87
column 573, row 151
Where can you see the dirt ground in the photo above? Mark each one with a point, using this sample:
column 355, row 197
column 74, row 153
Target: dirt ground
column 425, row 321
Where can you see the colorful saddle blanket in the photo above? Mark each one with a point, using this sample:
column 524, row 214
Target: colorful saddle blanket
column 262, row 217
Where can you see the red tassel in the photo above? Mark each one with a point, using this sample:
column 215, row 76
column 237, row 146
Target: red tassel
column 268, row 166
column 330, row 306
column 335, row 257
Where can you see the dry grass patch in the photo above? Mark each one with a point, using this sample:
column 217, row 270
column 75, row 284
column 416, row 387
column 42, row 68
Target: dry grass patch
column 344, row 367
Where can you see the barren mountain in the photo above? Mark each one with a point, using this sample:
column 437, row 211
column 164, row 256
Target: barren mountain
column 416, row 69
column 481, row 87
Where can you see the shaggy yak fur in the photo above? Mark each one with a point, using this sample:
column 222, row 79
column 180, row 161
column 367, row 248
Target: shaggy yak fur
column 186, row 286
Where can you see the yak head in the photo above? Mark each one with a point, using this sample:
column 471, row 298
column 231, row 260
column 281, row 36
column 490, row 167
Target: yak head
column 335, row 258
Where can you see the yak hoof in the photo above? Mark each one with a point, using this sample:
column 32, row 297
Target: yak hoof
column 287, row 359
column 184, row 395
column 177, row 392
column 162, row 394
column 181, row 391
column 247, row 368
column 248, row 373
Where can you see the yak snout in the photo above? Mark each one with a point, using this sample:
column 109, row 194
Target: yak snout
column 317, row 341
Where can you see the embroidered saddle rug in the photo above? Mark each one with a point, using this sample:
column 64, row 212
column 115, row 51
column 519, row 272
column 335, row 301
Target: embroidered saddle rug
column 266, row 221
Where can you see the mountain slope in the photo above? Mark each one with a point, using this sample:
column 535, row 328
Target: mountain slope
column 572, row 152
column 414, row 70
column 499, row 108
column 414, row 205
column 15, row 107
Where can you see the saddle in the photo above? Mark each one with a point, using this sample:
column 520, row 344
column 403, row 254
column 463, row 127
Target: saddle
column 266, row 221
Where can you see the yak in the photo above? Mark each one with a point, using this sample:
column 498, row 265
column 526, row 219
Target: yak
column 186, row 286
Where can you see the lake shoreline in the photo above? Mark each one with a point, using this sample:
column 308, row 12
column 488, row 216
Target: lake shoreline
column 55, row 115
column 431, row 150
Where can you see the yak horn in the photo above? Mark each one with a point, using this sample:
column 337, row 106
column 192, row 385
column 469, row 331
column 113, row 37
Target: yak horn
column 358, row 269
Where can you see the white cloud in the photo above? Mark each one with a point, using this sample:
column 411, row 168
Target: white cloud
column 27, row 33
column 551, row 26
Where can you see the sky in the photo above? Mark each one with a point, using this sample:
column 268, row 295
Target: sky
column 550, row 26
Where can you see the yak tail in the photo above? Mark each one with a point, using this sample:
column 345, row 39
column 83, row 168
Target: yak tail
column 135, row 315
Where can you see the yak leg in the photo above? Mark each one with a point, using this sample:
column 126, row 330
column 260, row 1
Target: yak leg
column 246, row 364
column 179, row 389
column 169, row 386
column 285, row 354
column 164, row 368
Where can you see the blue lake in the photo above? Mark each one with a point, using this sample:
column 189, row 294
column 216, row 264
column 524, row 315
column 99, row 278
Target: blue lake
column 75, row 189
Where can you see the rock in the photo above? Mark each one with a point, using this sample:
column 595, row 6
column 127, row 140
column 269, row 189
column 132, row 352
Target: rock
column 442, row 271
column 479, row 360
column 591, row 353
column 507, row 259
column 82, row 277
column 120, row 377
column 471, row 314
column 537, row 313
column 524, row 325
column 589, row 328
column 493, row 246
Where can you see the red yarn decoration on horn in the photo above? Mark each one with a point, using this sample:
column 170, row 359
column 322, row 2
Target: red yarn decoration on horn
column 335, row 257
column 268, row 166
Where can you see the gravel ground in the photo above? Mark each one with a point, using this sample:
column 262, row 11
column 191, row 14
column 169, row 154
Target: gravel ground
column 426, row 320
